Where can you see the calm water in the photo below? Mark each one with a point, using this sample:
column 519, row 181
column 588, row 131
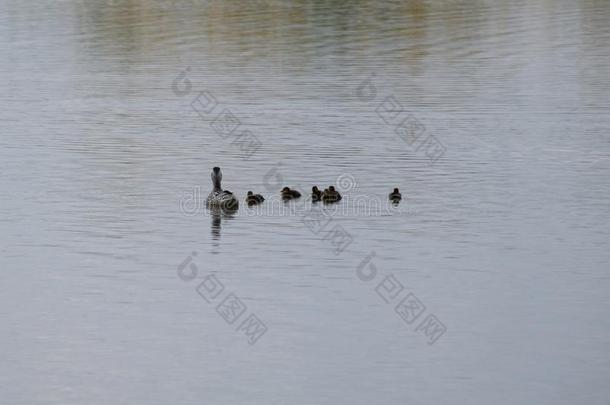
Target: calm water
column 504, row 238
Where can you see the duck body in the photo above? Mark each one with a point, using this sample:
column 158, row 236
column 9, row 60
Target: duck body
column 253, row 199
column 316, row 194
column 331, row 195
column 218, row 197
column 222, row 199
column 395, row 196
column 289, row 194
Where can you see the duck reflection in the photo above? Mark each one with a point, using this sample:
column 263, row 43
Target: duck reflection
column 218, row 214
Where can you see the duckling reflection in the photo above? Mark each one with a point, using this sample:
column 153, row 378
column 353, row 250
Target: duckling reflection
column 218, row 214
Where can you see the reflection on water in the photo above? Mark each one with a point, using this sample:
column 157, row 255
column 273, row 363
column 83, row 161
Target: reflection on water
column 218, row 215
column 504, row 236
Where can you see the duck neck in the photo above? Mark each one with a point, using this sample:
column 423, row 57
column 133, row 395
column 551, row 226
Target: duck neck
column 216, row 183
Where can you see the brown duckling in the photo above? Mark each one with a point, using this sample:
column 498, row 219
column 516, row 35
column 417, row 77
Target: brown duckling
column 395, row 196
column 288, row 194
column 253, row 199
column 316, row 194
column 331, row 195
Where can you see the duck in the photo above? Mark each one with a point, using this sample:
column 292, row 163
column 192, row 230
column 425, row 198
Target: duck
column 331, row 195
column 395, row 196
column 220, row 198
column 289, row 194
column 253, row 199
column 316, row 194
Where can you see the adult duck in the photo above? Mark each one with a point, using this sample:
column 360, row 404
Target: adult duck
column 219, row 197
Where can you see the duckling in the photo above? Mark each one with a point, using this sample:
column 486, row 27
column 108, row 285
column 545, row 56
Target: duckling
column 316, row 194
column 395, row 196
column 288, row 194
column 253, row 199
column 331, row 195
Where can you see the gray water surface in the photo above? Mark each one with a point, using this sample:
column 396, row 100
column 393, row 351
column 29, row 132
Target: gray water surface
column 502, row 235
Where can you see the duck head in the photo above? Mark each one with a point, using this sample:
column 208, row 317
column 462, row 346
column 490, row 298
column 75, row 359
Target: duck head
column 396, row 191
column 216, row 178
column 285, row 189
column 331, row 189
column 249, row 193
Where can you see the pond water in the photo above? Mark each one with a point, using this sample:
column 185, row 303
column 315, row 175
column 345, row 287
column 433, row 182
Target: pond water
column 488, row 283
